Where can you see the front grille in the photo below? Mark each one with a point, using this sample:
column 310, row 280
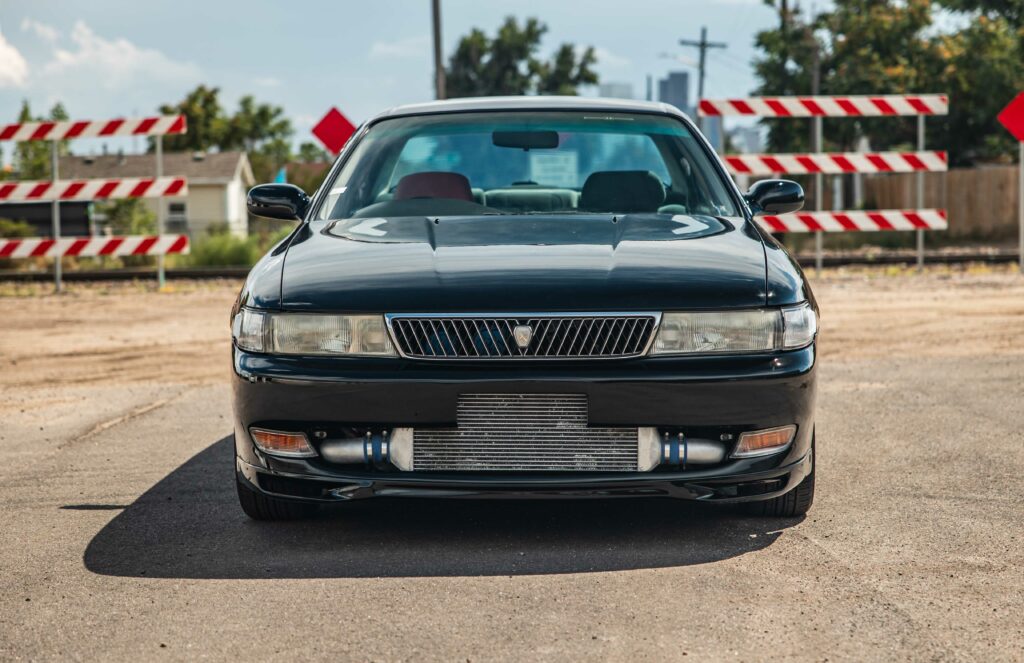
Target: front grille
column 505, row 337
column 540, row 432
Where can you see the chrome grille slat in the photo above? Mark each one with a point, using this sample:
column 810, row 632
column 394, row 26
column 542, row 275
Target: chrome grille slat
column 424, row 335
column 632, row 332
column 469, row 337
column 537, row 432
column 462, row 344
column 572, row 343
column 555, row 336
column 437, row 336
column 473, row 340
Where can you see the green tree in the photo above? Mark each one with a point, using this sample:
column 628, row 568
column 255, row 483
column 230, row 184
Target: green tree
column 205, row 120
column 508, row 63
column 312, row 153
column 128, row 216
column 32, row 158
column 981, row 70
column 876, row 47
column 308, row 176
column 1010, row 10
column 894, row 47
column 262, row 130
column 254, row 126
column 565, row 73
column 785, row 69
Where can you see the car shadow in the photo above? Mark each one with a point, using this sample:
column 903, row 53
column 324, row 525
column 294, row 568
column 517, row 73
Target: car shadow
column 189, row 525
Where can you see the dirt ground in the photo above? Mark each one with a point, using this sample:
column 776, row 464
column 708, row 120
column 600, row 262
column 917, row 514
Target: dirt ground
column 122, row 539
column 125, row 332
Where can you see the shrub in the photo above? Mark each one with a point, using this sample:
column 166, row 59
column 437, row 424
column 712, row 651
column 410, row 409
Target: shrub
column 128, row 217
column 223, row 250
column 217, row 247
column 11, row 228
column 15, row 228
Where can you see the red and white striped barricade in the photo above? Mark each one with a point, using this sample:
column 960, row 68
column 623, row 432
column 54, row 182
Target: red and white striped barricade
column 65, row 130
column 812, row 222
column 96, row 189
column 816, row 106
column 92, row 247
column 56, row 191
column 820, row 164
column 836, row 163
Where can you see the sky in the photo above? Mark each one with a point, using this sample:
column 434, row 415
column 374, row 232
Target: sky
column 106, row 59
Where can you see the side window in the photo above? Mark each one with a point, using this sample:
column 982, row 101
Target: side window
column 340, row 183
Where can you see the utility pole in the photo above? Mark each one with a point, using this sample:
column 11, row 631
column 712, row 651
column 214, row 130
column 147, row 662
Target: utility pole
column 439, row 82
column 817, row 145
column 703, row 45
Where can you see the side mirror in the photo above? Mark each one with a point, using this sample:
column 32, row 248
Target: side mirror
column 278, row 201
column 775, row 197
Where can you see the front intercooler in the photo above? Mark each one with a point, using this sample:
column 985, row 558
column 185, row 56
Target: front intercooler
column 517, row 432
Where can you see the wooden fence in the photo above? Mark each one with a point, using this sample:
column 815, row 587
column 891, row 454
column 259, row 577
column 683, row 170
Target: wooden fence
column 981, row 202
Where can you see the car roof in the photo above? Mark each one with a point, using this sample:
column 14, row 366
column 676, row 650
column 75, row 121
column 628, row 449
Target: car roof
column 519, row 103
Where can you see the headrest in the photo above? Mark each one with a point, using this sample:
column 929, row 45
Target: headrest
column 434, row 184
column 622, row 191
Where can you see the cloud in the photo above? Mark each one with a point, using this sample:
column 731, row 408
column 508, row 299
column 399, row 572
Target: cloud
column 13, row 67
column 113, row 64
column 267, row 81
column 41, row 30
column 606, row 58
column 410, row 47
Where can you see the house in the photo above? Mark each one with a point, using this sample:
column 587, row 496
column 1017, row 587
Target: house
column 75, row 218
column 217, row 184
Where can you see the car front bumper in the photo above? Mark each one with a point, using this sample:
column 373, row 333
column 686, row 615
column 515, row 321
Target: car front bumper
column 700, row 396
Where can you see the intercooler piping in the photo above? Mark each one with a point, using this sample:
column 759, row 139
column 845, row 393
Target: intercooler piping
column 376, row 450
column 385, row 449
column 380, row 449
column 676, row 447
column 680, row 451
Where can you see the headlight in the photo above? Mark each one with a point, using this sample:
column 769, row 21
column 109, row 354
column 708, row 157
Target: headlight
column 799, row 325
column 758, row 330
column 311, row 334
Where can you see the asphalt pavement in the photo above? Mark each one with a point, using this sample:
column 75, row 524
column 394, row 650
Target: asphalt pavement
column 122, row 539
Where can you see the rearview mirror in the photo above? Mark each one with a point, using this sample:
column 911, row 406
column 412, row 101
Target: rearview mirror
column 277, row 201
column 526, row 140
column 775, row 197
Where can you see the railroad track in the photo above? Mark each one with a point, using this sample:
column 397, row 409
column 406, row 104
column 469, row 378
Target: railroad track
column 806, row 261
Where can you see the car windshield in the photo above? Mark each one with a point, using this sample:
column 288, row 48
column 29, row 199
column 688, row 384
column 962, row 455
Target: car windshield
column 536, row 162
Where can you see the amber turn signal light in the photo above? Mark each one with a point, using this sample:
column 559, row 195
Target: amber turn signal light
column 764, row 442
column 278, row 443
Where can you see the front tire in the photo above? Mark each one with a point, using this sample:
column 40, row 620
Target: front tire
column 263, row 507
column 793, row 504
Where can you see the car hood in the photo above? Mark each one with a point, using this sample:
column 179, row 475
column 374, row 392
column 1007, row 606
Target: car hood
column 499, row 263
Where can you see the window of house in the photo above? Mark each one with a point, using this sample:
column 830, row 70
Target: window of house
column 176, row 210
column 177, row 217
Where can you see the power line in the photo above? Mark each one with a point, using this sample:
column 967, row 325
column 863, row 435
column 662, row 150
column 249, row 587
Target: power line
column 703, row 45
column 439, row 80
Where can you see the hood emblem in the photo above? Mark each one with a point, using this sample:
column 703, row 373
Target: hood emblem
column 523, row 334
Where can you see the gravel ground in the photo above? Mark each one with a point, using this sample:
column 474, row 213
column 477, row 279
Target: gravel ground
column 122, row 538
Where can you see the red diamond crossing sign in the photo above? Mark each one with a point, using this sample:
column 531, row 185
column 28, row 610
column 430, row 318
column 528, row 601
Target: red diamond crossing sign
column 1012, row 117
column 334, row 130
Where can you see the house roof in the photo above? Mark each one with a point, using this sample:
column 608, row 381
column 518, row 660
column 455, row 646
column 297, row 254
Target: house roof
column 199, row 168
